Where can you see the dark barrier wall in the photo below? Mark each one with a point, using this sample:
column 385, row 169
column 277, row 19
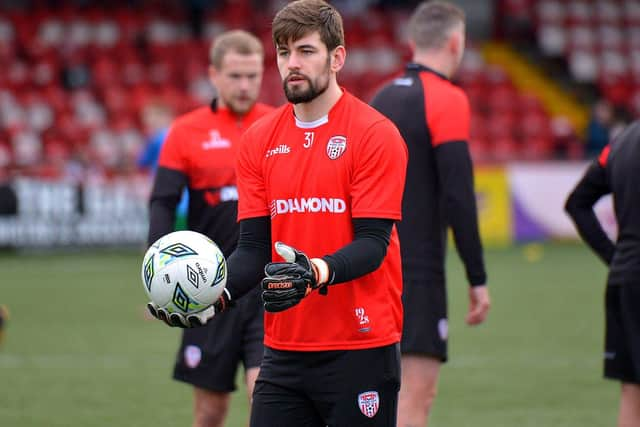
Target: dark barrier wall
column 35, row 213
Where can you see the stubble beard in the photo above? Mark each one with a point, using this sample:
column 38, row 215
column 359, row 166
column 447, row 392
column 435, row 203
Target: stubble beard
column 299, row 96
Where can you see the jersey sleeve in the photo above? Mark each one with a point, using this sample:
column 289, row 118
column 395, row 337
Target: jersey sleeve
column 171, row 153
column 580, row 203
column 252, row 197
column 379, row 173
column 448, row 115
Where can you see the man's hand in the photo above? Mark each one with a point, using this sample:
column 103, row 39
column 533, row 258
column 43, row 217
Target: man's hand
column 479, row 303
column 286, row 283
column 193, row 320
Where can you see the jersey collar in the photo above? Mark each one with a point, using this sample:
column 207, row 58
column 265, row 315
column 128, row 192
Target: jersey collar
column 416, row 68
column 322, row 120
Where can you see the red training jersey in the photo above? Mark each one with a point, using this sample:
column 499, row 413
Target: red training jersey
column 202, row 145
column 312, row 179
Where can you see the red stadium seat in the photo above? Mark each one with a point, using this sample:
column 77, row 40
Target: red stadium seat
column 504, row 149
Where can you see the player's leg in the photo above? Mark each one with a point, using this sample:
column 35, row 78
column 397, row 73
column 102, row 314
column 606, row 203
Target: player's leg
column 629, row 415
column 358, row 388
column 279, row 399
column 424, row 349
column 252, row 338
column 4, row 319
column 418, row 391
column 208, row 360
column 629, row 302
column 251, row 375
column 209, row 407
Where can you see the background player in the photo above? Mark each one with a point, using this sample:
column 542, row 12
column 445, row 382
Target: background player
column 433, row 117
column 616, row 171
column 325, row 174
column 199, row 153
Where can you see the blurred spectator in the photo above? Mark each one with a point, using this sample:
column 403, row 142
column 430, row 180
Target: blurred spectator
column 599, row 127
column 148, row 158
column 566, row 144
column 156, row 119
column 75, row 74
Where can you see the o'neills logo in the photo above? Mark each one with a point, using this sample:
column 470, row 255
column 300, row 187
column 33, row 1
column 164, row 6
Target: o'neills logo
column 303, row 205
column 280, row 149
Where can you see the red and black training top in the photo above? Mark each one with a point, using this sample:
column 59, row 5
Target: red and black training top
column 615, row 171
column 433, row 117
column 199, row 153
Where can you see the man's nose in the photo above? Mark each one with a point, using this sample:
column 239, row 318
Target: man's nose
column 245, row 82
column 294, row 61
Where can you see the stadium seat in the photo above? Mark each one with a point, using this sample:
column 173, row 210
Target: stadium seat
column 584, row 66
column 550, row 12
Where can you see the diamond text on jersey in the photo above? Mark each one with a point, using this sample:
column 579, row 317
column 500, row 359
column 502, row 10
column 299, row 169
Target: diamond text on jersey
column 303, row 205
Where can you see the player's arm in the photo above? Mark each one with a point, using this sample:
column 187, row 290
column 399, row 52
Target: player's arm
column 286, row 283
column 253, row 251
column 167, row 189
column 246, row 265
column 579, row 206
column 364, row 254
column 455, row 173
column 170, row 179
column 450, row 125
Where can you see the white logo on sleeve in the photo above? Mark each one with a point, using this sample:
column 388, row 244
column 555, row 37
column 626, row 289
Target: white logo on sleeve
column 215, row 141
column 403, row 81
column 336, row 146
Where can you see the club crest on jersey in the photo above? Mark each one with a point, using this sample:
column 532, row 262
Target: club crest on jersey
column 369, row 402
column 336, row 146
column 192, row 356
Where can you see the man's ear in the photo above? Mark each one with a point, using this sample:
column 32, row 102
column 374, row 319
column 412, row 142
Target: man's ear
column 213, row 75
column 455, row 44
column 412, row 46
column 338, row 56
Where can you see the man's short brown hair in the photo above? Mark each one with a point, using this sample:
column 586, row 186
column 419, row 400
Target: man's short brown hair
column 238, row 41
column 431, row 23
column 301, row 17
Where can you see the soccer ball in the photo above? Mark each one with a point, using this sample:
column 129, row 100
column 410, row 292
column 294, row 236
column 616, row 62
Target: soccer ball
column 184, row 272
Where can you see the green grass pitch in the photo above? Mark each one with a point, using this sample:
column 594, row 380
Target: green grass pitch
column 78, row 351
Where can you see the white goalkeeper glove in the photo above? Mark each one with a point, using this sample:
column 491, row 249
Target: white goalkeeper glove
column 193, row 320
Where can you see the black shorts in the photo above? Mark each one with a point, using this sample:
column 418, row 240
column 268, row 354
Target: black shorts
column 622, row 335
column 345, row 388
column 208, row 357
column 425, row 329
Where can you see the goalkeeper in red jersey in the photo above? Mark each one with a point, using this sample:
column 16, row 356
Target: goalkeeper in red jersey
column 320, row 184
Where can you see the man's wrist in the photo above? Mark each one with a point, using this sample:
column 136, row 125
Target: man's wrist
column 223, row 302
column 321, row 270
